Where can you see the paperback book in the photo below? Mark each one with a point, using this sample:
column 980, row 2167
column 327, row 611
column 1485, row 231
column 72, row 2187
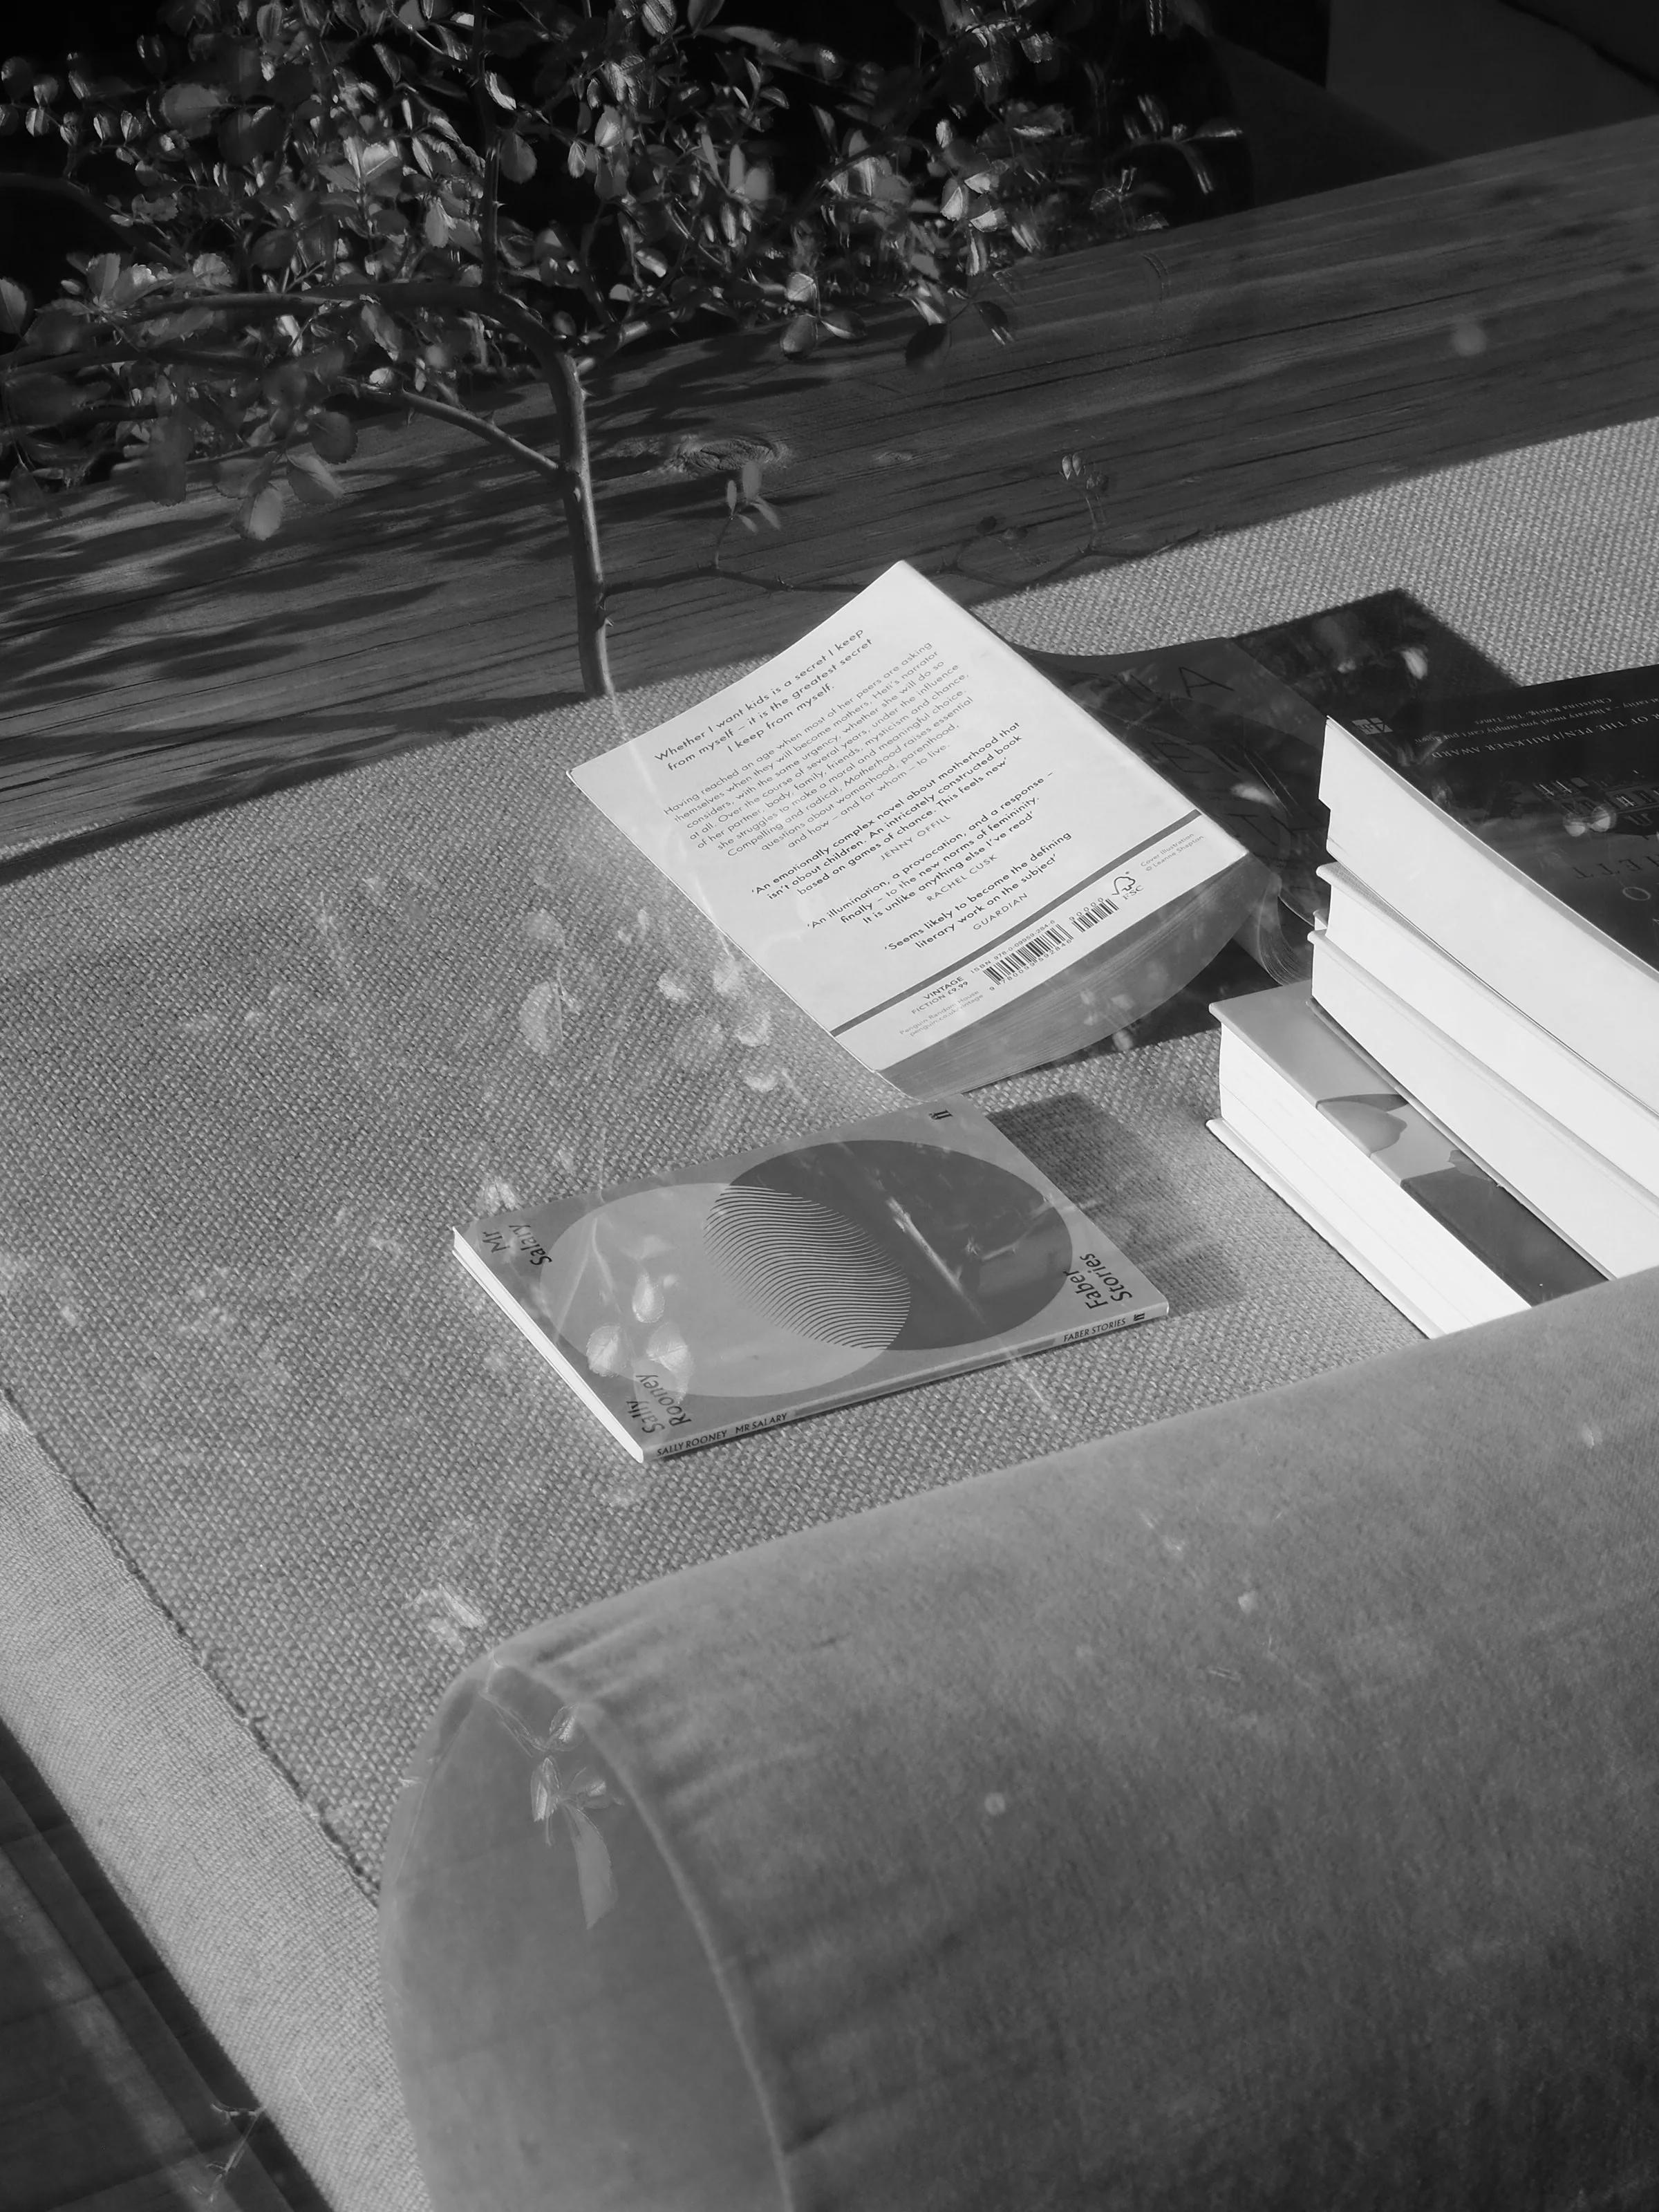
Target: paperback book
column 942, row 858
column 744, row 1292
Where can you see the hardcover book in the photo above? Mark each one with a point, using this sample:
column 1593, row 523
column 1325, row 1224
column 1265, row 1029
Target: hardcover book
column 1418, row 1295
column 1520, row 831
column 1517, row 1049
column 1612, row 1218
column 744, row 1292
column 1305, row 1095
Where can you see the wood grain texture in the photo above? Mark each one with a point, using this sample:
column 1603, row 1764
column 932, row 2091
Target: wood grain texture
column 111, row 2097
column 1217, row 377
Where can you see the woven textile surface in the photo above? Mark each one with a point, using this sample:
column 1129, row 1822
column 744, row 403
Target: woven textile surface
column 1252, row 1811
column 243, row 1131
column 253, row 1069
column 256, row 1067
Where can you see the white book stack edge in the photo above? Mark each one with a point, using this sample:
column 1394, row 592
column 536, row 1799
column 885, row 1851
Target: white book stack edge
column 1607, row 1214
column 1519, row 1051
column 1326, row 1129
column 1530, row 946
column 1346, row 1228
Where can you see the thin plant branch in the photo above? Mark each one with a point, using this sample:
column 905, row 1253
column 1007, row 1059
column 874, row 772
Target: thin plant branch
column 479, row 425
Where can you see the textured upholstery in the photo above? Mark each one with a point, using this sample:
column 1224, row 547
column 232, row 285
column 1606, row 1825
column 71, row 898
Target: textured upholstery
column 1257, row 1810
column 263, row 1428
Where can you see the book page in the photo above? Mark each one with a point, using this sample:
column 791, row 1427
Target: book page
column 902, row 823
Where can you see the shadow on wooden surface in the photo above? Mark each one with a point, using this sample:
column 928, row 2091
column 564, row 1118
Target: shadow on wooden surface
column 111, row 2093
column 1214, row 378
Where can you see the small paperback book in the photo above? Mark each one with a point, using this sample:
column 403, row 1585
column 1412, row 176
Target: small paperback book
column 740, row 1293
column 945, row 861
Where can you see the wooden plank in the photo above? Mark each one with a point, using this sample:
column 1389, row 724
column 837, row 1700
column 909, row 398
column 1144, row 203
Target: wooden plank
column 163, row 2189
column 82, row 2110
column 101, row 2106
column 1218, row 377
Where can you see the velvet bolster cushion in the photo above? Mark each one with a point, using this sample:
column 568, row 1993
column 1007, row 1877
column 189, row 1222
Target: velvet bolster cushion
column 1260, row 1809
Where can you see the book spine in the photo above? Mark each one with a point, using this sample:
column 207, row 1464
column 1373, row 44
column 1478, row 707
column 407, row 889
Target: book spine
column 1613, row 1221
column 1398, row 1222
column 830, row 1401
column 1512, row 1044
column 1339, row 1225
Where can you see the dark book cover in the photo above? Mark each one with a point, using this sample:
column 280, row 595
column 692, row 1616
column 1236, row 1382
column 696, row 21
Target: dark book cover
column 1238, row 725
column 1561, row 779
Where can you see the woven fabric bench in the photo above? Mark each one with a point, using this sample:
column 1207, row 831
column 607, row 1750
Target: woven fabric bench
column 272, row 1472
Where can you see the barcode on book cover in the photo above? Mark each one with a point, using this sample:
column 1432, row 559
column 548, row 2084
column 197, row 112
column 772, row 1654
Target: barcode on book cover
column 1022, row 955
column 1092, row 914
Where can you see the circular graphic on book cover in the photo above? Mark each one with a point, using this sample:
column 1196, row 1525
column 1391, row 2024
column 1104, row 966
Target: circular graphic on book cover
column 804, row 1268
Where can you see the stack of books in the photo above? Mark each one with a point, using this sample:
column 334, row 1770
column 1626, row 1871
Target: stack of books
column 1464, row 1099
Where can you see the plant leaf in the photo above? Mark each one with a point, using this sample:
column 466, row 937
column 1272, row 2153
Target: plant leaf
column 102, row 274
column 311, row 476
column 239, row 476
column 377, row 165
column 517, row 158
column 379, row 328
column 56, row 330
column 261, row 516
column 284, row 384
column 41, row 399
column 997, row 321
column 275, row 250
column 191, row 107
column 800, row 336
column 173, row 437
column 595, row 1881
column 162, row 475
column 306, row 489
column 334, row 436
column 927, row 347
column 15, row 307
column 23, row 492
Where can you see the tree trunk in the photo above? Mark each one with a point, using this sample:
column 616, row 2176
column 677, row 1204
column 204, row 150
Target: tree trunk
column 586, row 562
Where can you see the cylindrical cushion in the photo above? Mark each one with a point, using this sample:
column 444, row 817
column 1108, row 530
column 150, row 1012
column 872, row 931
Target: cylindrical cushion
column 1257, row 1810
